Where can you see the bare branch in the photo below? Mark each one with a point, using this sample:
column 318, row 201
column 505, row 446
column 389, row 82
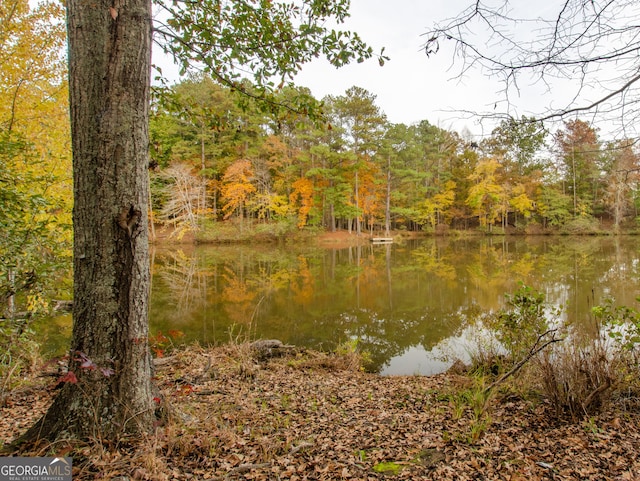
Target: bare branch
column 593, row 105
column 535, row 349
column 590, row 48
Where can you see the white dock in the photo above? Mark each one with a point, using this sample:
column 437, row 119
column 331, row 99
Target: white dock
column 382, row 240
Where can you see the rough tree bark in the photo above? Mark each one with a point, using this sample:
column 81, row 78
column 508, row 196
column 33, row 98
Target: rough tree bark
column 109, row 73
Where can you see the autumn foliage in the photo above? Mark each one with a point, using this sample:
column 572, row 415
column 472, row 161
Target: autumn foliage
column 302, row 196
column 357, row 171
column 35, row 162
column 237, row 187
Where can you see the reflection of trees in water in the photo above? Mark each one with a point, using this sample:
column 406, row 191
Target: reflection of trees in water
column 238, row 296
column 185, row 278
column 433, row 260
column 390, row 297
column 622, row 273
column 302, row 286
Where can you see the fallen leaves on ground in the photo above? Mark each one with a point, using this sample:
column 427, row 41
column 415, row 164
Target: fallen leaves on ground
column 304, row 417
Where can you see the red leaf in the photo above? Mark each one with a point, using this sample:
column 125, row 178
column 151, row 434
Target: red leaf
column 113, row 12
column 175, row 334
column 69, row 377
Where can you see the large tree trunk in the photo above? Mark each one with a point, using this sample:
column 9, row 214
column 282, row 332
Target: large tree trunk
column 109, row 73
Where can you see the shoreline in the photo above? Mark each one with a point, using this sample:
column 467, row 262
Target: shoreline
column 226, row 234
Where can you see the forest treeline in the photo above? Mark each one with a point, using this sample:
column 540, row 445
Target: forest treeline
column 221, row 155
column 217, row 155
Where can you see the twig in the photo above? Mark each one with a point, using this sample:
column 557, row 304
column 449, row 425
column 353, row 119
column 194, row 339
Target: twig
column 600, row 389
column 534, row 350
column 300, row 446
column 204, row 372
column 209, row 392
column 3, row 390
column 163, row 361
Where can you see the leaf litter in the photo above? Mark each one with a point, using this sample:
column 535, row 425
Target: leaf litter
column 232, row 415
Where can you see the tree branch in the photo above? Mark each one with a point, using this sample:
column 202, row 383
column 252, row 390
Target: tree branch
column 593, row 105
column 534, row 350
column 593, row 45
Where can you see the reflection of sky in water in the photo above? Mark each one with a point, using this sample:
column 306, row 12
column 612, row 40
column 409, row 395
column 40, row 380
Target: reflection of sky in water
column 418, row 361
column 415, row 360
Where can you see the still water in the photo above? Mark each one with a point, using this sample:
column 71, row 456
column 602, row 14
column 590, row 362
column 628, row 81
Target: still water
column 409, row 304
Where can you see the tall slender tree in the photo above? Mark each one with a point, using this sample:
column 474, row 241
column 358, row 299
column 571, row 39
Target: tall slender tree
column 579, row 154
column 621, row 180
column 362, row 124
column 517, row 142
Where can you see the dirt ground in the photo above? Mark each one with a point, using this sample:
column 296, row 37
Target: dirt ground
column 235, row 413
column 341, row 239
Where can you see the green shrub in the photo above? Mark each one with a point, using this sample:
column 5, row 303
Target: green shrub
column 582, row 225
column 580, row 375
column 514, row 331
column 622, row 323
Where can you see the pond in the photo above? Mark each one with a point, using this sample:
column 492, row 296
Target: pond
column 408, row 304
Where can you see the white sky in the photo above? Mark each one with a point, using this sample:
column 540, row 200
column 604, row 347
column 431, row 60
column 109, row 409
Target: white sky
column 412, row 87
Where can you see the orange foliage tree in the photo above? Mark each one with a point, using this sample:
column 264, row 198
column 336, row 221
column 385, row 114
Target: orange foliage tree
column 237, row 187
column 371, row 193
column 302, row 197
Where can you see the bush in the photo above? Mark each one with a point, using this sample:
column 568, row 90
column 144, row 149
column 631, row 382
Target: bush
column 277, row 228
column 578, row 376
column 583, row 225
column 525, row 320
column 513, row 332
column 622, row 324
